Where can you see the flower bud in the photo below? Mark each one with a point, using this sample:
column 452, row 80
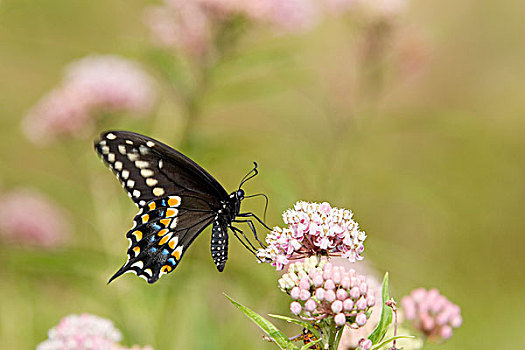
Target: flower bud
column 340, row 319
column 361, row 304
column 345, row 283
column 304, row 294
column 310, row 305
column 353, row 282
column 295, row 293
column 337, row 306
column 370, row 300
column 445, row 332
column 363, row 288
column 337, row 278
column 360, row 319
column 320, row 294
column 318, row 280
column 329, row 284
column 329, row 295
column 355, row 293
column 295, row 308
column 456, row 321
column 348, row 304
column 341, row 294
column 282, row 283
column 365, row 344
column 304, row 283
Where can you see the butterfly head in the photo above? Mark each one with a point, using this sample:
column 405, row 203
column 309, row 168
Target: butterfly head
column 239, row 194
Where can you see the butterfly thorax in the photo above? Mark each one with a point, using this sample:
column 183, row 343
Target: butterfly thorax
column 231, row 207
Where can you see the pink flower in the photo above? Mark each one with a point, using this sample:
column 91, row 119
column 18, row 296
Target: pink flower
column 30, row 218
column 334, row 300
column 91, row 85
column 85, row 332
column 314, row 229
column 184, row 25
column 431, row 313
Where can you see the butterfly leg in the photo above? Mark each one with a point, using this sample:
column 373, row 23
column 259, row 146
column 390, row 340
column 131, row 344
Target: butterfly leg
column 252, row 215
column 252, row 228
column 248, row 246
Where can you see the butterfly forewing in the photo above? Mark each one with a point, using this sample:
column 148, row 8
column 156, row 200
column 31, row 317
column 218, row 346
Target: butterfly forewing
column 177, row 200
column 149, row 169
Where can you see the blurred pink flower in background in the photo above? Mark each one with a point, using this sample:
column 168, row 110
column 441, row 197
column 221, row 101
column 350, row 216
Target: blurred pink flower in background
column 189, row 26
column 92, row 84
column 30, row 218
column 83, row 332
column 431, row 313
column 182, row 25
column 314, row 229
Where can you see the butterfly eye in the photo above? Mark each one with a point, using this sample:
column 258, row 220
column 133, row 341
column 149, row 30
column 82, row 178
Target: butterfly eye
column 240, row 194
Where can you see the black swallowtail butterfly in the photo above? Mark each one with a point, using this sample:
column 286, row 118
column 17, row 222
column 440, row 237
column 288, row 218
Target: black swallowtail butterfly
column 177, row 200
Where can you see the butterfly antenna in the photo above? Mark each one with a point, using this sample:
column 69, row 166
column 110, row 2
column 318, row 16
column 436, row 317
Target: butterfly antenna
column 266, row 202
column 249, row 175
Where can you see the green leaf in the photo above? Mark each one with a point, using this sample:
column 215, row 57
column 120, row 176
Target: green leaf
column 304, row 324
column 275, row 334
column 383, row 343
column 386, row 315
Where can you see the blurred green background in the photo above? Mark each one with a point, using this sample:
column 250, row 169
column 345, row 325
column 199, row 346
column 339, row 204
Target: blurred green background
column 431, row 164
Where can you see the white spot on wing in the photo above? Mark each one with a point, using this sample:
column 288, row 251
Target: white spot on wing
column 151, row 181
column 105, row 149
column 150, row 144
column 133, row 156
column 118, row 165
column 129, row 142
column 143, row 150
column 160, row 164
column 138, row 264
column 111, row 136
column 130, row 183
column 141, row 164
column 111, row 157
column 136, row 193
column 125, row 174
column 157, row 191
column 122, row 149
column 146, row 172
column 173, row 223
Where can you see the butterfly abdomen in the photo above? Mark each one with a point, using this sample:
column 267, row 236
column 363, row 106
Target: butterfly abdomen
column 219, row 244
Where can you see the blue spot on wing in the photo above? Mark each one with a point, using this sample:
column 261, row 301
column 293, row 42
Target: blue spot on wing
column 156, row 227
column 171, row 261
column 165, row 252
column 153, row 250
column 152, row 239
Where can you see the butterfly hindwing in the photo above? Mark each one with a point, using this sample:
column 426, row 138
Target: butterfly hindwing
column 162, row 232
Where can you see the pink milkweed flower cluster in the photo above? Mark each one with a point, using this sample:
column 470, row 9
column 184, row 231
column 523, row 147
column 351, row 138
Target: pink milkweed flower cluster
column 314, row 229
column 83, row 332
column 321, row 290
column 91, row 85
column 189, row 26
column 431, row 313
column 29, row 218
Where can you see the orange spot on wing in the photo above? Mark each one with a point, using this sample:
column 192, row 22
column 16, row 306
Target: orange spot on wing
column 172, row 243
column 145, row 218
column 165, row 222
column 136, row 250
column 162, row 232
column 176, row 254
column 171, row 212
column 152, row 206
column 164, row 239
column 165, row 268
column 173, row 201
